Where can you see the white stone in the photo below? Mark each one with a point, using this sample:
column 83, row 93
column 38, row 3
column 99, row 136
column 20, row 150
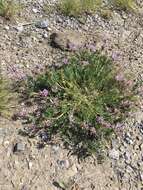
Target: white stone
column 19, row 28
column 35, row 10
column 6, row 27
column 114, row 154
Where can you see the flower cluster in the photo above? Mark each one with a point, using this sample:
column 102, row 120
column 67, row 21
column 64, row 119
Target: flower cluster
column 44, row 93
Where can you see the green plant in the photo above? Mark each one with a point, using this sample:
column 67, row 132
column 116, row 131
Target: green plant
column 125, row 4
column 8, row 8
column 83, row 101
column 78, row 7
column 4, row 97
column 106, row 13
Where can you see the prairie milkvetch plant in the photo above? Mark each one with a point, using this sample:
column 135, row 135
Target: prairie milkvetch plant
column 9, row 8
column 78, row 7
column 127, row 5
column 82, row 101
column 5, row 97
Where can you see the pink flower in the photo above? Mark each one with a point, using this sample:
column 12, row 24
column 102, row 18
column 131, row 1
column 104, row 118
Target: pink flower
column 44, row 93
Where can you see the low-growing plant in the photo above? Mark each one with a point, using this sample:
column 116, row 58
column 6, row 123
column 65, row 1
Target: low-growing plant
column 106, row 13
column 78, row 7
column 126, row 5
column 8, row 8
column 5, row 97
column 83, row 101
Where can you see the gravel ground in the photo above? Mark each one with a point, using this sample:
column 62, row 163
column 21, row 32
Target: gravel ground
column 25, row 49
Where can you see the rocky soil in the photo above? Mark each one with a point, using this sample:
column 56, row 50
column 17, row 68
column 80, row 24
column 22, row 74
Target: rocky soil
column 25, row 49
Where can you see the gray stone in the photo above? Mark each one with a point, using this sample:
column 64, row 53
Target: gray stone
column 114, row 154
column 19, row 147
column 42, row 24
column 128, row 138
column 68, row 40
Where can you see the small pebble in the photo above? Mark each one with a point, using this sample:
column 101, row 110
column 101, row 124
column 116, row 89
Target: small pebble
column 45, row 35
column 35, row 10
column 63, row 163
column 6, row 27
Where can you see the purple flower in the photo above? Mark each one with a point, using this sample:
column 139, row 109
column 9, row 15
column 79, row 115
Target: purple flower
column 23, row 113
column 73, row 47
column 44, row 93
column 91, row 47
column 65, row 61
column 115, row 56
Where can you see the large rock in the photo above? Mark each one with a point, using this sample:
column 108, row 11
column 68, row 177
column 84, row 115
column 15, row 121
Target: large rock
column 68, row 40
